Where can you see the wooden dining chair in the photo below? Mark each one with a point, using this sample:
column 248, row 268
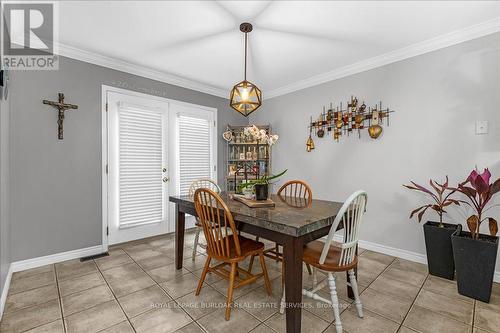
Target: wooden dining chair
column 225, row 245
column 297, row 194
column 196, row 184
column 332, row 257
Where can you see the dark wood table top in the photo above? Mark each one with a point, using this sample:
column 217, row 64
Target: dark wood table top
column 289, row 216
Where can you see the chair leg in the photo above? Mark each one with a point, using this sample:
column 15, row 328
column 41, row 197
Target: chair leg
column 196, row 240
column 250, row 265
column 315, row 277
column 335, row 302
column 309, row 269
column 264, row 270
column 354, row 286
column 203, row 275
column 282, row 302
column 277, row 250
column 230, row 289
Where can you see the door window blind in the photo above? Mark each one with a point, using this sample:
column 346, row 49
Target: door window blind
column 195, row 150
column 140, row 166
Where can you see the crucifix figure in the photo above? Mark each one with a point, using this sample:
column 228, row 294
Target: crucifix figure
column 61, row 107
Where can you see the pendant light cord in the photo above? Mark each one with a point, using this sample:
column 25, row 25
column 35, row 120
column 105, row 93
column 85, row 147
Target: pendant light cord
column 245, row 56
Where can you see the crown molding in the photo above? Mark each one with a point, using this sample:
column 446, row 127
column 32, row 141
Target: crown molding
column 131, row 68
column 433, row 44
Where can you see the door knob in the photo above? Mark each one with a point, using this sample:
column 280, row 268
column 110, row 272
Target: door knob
column 165, row 179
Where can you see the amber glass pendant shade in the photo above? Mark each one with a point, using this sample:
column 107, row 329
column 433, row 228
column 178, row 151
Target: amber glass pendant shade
column 246, row 97
column 309, row 144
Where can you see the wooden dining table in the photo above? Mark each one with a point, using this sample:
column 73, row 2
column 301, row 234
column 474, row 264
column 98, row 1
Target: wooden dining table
column 288, row 223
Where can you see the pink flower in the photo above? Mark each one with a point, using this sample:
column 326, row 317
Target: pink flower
column 485, row 176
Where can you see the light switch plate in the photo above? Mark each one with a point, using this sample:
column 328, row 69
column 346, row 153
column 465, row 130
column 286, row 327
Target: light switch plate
column 481, row 127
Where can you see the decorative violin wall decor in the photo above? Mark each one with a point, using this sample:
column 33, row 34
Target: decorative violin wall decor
column 353, row 118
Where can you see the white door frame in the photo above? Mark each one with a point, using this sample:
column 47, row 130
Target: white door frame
column 172, row 158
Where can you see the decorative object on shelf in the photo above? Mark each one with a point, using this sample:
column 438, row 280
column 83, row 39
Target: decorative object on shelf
column 61, row 107
column 342, row 121
column 245, row 96
column 228, row 136
column 261, row 185
column 437, row 234
column 248, row 154
column 475, row 253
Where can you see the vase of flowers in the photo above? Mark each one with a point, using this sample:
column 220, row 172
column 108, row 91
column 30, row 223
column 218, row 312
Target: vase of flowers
column 437, row 234
column 475, row 253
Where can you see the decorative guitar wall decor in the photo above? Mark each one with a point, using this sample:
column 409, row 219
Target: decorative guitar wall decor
column 344, row 122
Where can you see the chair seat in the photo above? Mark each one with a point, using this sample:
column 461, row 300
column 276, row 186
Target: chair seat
column 312, row 253
column 247, row 247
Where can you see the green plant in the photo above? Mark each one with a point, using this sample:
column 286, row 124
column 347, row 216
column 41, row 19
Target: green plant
column 264, row 180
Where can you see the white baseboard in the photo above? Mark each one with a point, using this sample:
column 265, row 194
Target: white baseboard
column 5, row 291
column 54, row 258
column 399, row 253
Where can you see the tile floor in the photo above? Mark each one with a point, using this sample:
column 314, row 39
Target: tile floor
column 138, row 289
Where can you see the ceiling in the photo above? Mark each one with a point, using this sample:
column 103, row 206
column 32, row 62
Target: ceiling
column 199, row 42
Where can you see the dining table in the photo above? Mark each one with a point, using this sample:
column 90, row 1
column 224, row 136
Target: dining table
column 289, row 223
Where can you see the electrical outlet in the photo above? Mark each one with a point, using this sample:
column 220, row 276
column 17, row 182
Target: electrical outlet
column 481, row 127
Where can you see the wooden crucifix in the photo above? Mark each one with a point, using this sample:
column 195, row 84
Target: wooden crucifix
column 61, row 107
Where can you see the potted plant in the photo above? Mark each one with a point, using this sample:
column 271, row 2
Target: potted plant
column 261, row 185
column 437, row 234
column 475, row 253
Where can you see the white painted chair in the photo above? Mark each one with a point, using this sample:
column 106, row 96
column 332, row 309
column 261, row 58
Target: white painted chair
column 333, row 257
column 196, row 184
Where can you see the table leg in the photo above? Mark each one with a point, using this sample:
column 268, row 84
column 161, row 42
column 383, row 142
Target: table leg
column 179, row 236
column 292, row 256
column 350, row 293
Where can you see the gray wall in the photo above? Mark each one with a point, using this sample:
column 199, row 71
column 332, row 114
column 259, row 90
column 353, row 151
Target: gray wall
column 4, row 192
column 437, row 97
column 56, row 192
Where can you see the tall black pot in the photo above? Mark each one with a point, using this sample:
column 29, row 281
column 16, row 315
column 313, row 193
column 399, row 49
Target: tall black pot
column 261, row 191
column 475, row 262
column 439, row 249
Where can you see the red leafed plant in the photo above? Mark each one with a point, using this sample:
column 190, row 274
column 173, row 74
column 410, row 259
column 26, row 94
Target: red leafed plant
column 440, row 193
column 478, row 189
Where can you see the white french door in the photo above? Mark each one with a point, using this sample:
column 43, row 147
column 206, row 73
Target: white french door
column 138, row 170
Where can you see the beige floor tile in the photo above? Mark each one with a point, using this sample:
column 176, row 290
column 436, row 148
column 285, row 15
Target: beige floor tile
column 32, row 282
column 410, row 277
column 80, row 283
column 410, row 266
column 195, row 265
column 95, row 319
column 181, row 286
column 209, row 300
column 123, row 327
column 403, row 329
column 444, row 287
column 494, row 303
column 370, row 323
column 166, row 273
column 446, row 306
column 53, row 327
column 262, row 328
column 240, row 321
column 478, row 330
column 309, row 323
column 388, row 306
column 160, row 241
column 427, row 321
column 126, row 279
column 164, row 320
column 144, row 300
column 115, row 258
column 382, row 258
column 32, row 271
column 29, row 318
column 369, row 270
column 155, row 262
column 74, row 268
column 85, row 299
column 487, row 319
column 143, row 252
column 259, row 304
column 394, row 287
column 322, row 309
column 30, row 298
column 210, row 278
column 190, row 328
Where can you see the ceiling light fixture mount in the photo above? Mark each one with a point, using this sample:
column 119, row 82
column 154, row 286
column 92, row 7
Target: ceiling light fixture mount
column 245, row 96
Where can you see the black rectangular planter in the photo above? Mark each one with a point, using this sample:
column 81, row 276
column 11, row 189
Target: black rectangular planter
column 475, row 263
column 261, row 191
column 439, row 249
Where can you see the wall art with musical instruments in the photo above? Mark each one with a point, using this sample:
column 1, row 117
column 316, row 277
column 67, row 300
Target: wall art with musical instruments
column 349, row 119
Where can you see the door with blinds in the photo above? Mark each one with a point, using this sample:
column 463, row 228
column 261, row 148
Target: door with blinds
column 138, row 171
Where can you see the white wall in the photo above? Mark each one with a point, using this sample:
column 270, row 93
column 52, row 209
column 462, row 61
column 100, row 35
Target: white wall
column 437, row 97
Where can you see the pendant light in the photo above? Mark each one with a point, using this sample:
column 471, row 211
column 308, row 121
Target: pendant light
column 245, row 96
